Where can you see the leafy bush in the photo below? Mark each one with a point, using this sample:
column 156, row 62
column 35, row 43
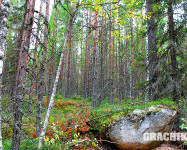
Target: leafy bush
column 71, row 133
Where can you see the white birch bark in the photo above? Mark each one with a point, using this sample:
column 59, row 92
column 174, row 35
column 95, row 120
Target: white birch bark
column 4, row 12
column 50, row 107
column 147, row 65
column 52, row 96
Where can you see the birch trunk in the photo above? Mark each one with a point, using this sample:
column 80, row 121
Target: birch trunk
column 41, row 80
column 147, row 72
column 65, row 75
column 52, row 95
column 4, row 12
column 34, row 61
column 50, row 107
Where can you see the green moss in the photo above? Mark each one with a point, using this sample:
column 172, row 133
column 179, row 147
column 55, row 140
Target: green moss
column 7, row 144
column 106, row 113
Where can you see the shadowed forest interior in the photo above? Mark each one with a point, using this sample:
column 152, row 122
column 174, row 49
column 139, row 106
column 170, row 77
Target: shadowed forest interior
column 69, row 68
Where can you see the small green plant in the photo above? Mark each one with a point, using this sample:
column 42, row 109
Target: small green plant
column 57, row 96
column 28, row 144
column 7, row 144
column 88, row 99
column 183, row 127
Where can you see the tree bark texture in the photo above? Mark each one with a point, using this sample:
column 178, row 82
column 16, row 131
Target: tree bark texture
column 34, row 60
column 87, row 58
column 52, row 60
column 56, row 79
column 94, row 100
column 41, row 80
column 21, row 76
column 152, row 50
column 132, row 62
column 172, row 39
column 4, row 12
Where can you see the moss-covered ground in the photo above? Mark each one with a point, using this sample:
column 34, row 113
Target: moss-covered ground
column 72, row 121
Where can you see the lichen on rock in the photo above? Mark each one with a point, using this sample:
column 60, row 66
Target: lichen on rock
column 128, row 130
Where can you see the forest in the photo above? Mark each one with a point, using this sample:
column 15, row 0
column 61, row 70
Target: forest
column 69, row 69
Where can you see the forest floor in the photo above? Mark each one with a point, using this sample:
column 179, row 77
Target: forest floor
column 74, row 124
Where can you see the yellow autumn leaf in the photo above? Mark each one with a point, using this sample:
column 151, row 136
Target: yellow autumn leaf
column 2, row 86
column 46, row 139
column 128, row 37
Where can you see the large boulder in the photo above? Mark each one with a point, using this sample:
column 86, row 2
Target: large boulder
column 128, row 132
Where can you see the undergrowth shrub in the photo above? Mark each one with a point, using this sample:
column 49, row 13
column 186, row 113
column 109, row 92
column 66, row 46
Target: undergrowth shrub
column 71, row 132
column 65, row 103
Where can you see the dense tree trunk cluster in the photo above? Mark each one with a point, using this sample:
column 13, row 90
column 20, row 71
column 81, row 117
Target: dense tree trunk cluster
column 115, row 50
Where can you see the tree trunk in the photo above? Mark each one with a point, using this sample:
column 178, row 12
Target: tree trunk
column 152, row 50
column 94, row 100
column 82, row 83
column 175, row 95
column 4, row 12
column 62, row 74
column 52, row 95
column 132, row 63
column 21, row 76
column 102, row 62
column 41, row 80
column 33, row 86
column 69, row 71
column 119, row 68
column 65, row 76
column 51, row 65
column 87, row 59
column 142, row 38
column 110, row 59
column 56, row 79
column 112, row 71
